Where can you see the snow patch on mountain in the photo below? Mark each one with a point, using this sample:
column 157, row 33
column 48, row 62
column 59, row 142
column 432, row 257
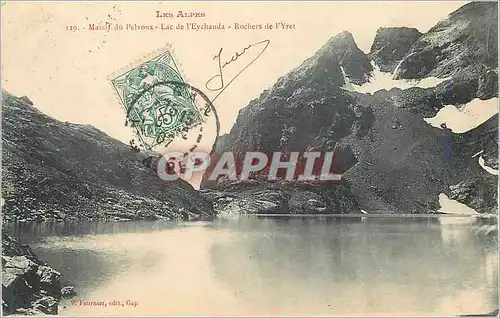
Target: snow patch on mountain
column 347, row 83
column 454, row 207
column 485, row 167
column 382, row 80
column 467, row 117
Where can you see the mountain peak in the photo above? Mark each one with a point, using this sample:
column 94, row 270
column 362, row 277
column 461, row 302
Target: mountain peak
column 469, row 36
column 344, row 37
column 390, row 46
column 354, row 63
column 474, row 9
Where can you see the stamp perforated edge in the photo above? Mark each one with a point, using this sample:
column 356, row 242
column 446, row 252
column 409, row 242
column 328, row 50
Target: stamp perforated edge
column 162, row 49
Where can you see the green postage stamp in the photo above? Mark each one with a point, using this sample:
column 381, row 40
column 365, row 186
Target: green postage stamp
column 157, row 102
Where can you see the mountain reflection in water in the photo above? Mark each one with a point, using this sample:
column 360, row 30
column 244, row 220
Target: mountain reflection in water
column 275, row 266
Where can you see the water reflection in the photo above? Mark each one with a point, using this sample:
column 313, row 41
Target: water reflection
column 280, row 266
column 30, row 231
column 379, row 266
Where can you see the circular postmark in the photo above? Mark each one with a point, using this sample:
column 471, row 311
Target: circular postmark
column 160, row 105
column 168, row 114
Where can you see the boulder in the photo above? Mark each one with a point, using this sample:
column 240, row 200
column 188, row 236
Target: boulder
column 16, row 292
column 22, row 266
column 47, row 305
column 49, row 280
column 68, row 292
column 28, row 312
column 29, row 286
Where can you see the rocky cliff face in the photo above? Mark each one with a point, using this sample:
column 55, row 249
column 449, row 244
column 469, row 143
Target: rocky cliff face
column 462, row 48
column 468, row 37
column 29, row 285
column 307, row 110
column 354, row 62
column 55, row 170
column 394, row 162
column 403, row 163
column 308, row 107
column 391, row 45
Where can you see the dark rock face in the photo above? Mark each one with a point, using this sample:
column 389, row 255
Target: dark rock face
column 282, row 197
column 308, row 102
column 464, row 48
column 306, row 110
column 451, row 48
column 416, row 100
column 469, row 36
column 476, row 193
column 474, row 81
column 483, row 138
column 428, row 101
column 57, row 171
column 391, row 45
column 468, row 84
column 29, row 286
column 354, row 62
column 393, row 161
column 404, row 169
column 488, row 84
column 461, row 89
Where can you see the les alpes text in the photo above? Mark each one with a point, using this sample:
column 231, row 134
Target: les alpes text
column 179, row 14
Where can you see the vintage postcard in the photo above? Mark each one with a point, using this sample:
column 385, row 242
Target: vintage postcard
column 216, row 158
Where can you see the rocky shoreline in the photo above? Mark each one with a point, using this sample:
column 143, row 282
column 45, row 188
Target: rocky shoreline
column 29, row 285
column 282, row 197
